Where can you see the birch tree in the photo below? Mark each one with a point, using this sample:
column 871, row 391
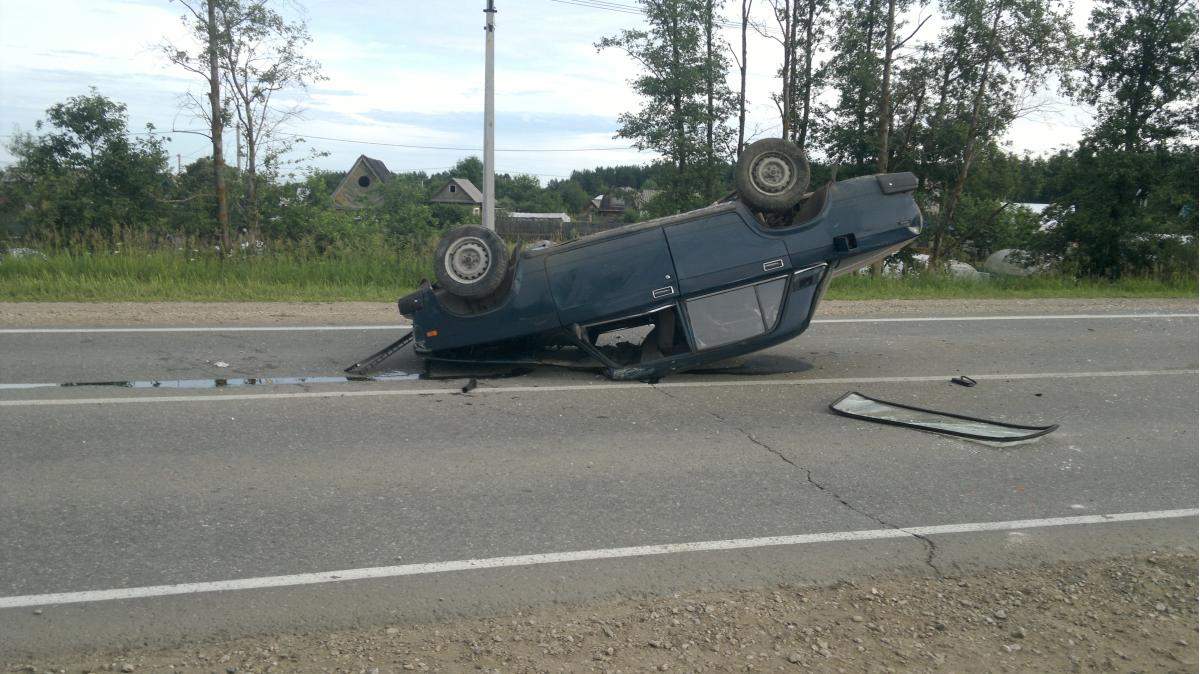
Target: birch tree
column 263, row 58
column 202, row 18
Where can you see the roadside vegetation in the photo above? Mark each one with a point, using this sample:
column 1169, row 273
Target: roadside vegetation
column 300, row 272
column 864, row 87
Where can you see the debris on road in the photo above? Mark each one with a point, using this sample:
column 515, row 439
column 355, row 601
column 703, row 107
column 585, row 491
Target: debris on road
column 858, row 406
column 964, row 380
column 1085, row 616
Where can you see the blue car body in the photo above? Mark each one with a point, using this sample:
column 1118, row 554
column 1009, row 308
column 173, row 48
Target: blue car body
column 709, row 284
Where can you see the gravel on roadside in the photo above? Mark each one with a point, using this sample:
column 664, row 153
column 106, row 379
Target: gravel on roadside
column 118, row 314
column 1127, row 615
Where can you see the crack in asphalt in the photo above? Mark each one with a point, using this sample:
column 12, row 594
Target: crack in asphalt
column 930, row 546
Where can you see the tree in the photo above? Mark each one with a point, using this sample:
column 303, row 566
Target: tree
column 1139, row 71
column 802, row 28
column 718, row 99
column 86, row 175
column 1014, row 46
column 890, row 48
column 201, row 19
column 262, row 55
column 1127, row 196
column 678, row 71
column 1125, row 212
column 742, row 62
column 854, row 73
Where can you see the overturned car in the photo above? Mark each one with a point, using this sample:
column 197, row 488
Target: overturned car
column 666, row 295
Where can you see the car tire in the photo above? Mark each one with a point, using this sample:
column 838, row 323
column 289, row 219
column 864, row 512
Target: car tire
column 471, row 262
column 772, row 175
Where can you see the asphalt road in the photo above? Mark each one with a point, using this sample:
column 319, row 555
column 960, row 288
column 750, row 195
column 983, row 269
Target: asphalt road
column 104, row 488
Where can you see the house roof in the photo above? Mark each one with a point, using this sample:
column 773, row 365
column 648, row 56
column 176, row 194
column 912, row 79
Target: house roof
column 462, row 186
column 468, row 187
column 376, row 167
column 373, row 166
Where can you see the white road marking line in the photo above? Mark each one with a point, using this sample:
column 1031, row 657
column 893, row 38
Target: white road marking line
column 268, row 328
column 321, row 328
column 23, row 601
column 1031, row 317
column 758, row 381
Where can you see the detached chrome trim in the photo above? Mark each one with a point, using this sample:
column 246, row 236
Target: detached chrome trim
column 647, row 312
column 810, row 268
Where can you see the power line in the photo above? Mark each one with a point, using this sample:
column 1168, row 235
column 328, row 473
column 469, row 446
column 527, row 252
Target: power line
column 469, row 149
column 412, row 147
column 460, row 149
column 627, row 9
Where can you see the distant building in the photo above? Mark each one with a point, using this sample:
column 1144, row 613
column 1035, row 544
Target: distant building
column 608, row 209
column 361, row 185
column 459, row 191
column 604, row 208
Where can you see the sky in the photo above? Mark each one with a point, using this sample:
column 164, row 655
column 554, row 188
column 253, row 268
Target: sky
column 401, row 72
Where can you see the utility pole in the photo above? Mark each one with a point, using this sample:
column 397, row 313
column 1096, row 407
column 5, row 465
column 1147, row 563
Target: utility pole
column 489, row 120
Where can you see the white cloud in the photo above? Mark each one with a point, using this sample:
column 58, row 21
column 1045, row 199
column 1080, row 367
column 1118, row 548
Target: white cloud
column 422, row 58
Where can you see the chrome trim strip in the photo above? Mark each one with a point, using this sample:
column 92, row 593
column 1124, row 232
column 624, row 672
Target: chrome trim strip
column 810, row 268
column 744, row 285
column 655, row 310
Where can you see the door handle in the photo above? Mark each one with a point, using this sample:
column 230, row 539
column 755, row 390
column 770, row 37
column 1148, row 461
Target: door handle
column 663, row 292
column 773, row 264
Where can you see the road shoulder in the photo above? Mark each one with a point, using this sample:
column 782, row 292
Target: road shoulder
column 1133, row 613
column 151, row 314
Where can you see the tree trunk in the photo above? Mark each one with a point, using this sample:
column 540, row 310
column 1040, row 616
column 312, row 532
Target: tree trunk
column 251, row 171
column 217, row 126
column 860, row 158
column 885, row 88
column 789, row 49
column 806, row 98
column 742, row 91
column 885, row 105
column 973, row 133
column 710, row 188
column 677, row 105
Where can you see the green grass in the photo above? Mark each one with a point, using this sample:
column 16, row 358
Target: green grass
column 933, row 286
column 383, row 276
column 167, row 276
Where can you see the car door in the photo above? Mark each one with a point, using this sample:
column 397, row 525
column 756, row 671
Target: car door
column 721, row 249
column 612, row 275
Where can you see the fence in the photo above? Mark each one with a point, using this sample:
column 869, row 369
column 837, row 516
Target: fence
column 536, row 229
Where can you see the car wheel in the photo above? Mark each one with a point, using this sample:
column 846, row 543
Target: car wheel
column 772, row 175
column 471, row 261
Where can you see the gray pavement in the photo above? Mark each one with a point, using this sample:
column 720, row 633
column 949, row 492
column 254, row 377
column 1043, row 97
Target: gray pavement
column 102, row 496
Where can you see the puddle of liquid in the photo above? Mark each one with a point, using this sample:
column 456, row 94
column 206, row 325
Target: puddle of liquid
column 238, row 382
column 227, row 382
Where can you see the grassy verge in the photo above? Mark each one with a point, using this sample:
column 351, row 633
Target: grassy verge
column 930, row 286
column 164, row 276
column 383, row 276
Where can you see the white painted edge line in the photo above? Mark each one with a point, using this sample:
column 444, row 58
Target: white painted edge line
column 204, row 328
column 222, row 397
column 376, row 572
column 1030, row 317
column 321, row 328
